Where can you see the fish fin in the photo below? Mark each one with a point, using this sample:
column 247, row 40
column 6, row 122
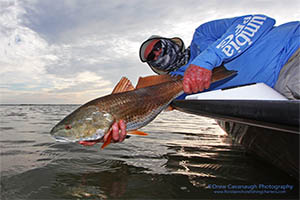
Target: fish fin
column 88, row 143
column 155, row 80
column 218, row 73
column 136, row 132
column 221, row 73
column 108, row 141
column 169, row 108
column 124, row 85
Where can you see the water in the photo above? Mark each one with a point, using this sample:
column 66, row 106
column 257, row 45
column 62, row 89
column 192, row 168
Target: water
column 185, row 156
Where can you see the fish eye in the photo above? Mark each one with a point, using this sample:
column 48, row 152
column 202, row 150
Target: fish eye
column 68, row 127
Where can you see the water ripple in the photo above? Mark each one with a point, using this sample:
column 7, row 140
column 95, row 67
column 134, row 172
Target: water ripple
column 180, row 157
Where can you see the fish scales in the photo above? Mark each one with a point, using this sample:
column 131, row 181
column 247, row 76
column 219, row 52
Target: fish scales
column 139, row 105
column 136, row 107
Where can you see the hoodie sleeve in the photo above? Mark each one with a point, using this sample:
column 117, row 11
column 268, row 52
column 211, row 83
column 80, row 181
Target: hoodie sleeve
column 220, row 41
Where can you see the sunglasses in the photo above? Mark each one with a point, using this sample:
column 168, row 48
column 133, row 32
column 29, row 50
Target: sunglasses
column 156, row 47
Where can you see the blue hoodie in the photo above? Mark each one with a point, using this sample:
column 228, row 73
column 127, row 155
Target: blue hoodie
column 250, row 44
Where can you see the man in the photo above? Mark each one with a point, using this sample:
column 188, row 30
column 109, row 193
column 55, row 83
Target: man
column 251, row 45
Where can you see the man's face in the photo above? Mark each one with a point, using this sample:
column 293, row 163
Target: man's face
column 155, row 51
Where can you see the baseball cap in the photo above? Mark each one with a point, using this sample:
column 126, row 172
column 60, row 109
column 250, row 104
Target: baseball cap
column 151, row 41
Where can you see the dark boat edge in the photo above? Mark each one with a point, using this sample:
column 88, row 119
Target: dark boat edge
column 268, row 129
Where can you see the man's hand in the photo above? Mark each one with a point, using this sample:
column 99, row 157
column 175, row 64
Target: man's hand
column 196, row 79
column 118, row 132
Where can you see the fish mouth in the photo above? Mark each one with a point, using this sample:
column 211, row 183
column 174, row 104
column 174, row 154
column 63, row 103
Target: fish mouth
column 60, row 136
column 62, row 139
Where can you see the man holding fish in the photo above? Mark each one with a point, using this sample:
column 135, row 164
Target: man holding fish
column 250, row 45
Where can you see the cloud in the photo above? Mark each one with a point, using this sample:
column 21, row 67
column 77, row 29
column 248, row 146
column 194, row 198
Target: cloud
column 70, row 51
column 32, row 68
column 80, row 88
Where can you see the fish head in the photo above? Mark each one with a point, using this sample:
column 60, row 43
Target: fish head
column 84, row 124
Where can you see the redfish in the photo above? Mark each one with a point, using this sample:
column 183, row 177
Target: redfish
column 136, row 106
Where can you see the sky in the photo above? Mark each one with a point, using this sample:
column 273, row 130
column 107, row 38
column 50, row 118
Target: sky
column 72, row 51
